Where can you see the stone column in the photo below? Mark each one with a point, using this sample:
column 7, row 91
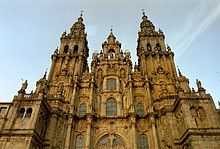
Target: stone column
column 51, row 130
column 52, row 68
column 69, row 132
column 70, row 116
column 90, row 106
column 153, row 123
column 78, row 66
column 172, row 64
column 88, row 133
column 154, row 132
column 131, row 104
column 72, row 100
column 133, row 129
column 152, row 64
column 144, row 69
column 35, row 115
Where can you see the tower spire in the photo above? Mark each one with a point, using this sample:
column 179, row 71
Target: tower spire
column 78, row 27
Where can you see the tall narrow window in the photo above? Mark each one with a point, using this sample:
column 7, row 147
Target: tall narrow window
column 21, row 113
column 158, row 47
column 148, row 47
column 29, row 112
column 66, row 49
column 139, row 109
column 111, row 84
column 75, row 49
column 142, row 142
column 82, row 109
column 111, row 54
column 80, row 142
column 111, row 107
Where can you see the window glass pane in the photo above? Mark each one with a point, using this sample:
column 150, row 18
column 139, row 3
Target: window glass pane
column 139, row 109
column 82, row 109
column 142, row 142
column 110, row 142
column 111, row 84
column 111, row 107
column 79, row 142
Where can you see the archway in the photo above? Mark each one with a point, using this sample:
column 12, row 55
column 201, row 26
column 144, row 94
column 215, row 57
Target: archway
column 111, row 141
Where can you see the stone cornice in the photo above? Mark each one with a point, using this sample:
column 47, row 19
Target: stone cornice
column 198, row 132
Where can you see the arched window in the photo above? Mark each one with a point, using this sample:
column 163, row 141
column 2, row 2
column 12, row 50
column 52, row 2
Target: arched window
column 139, row 109
column 111, row 107
column 75, row 49
column 66, row 48
column 111, row 54
column 21, row 112
column 82, row 109
column 29, row 112
column 148, row 47
column 112, row 141
column 117, row 143
column 80, row 142
column 111, row 84
column 158, row 46
column 142, row 142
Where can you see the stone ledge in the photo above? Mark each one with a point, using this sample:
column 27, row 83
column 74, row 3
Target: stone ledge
column 198, row 132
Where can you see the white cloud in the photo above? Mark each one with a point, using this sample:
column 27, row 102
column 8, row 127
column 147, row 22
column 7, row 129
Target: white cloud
column 197, row 25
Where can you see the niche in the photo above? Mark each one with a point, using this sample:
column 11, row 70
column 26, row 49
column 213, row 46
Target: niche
column 75, row 49
column 66, row 49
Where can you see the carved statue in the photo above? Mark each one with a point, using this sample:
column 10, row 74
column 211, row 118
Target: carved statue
column 56, row 51
column 41, row 86
column 199, row 84
column 64, row 34
column 168, row 48
column 23, row 87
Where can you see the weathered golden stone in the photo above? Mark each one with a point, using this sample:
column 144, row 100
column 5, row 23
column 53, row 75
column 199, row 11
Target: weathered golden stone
column 112, row 105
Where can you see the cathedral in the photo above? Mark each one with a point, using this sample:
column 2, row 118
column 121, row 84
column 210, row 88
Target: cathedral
column 111, row 104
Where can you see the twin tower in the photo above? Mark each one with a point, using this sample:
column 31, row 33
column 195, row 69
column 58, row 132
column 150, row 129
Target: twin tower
column 114, row 105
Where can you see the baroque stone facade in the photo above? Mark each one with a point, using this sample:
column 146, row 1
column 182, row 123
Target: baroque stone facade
column 113, row 105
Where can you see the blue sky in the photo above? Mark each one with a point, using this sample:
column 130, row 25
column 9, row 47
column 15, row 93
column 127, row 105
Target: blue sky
column 30, row 31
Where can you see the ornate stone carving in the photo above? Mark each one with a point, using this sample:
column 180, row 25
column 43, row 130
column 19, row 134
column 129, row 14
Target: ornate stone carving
column 23, row 87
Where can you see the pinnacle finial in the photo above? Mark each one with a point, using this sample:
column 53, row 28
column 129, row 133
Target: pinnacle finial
column 45, row 74
column 81, row 13
column 143, row 12
column 180, row 74
column 111, row 29
column 111, row 35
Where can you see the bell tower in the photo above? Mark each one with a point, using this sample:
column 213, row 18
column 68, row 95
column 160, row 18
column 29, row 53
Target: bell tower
column 71, row 57
column 69, row 61
column 152, row 51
